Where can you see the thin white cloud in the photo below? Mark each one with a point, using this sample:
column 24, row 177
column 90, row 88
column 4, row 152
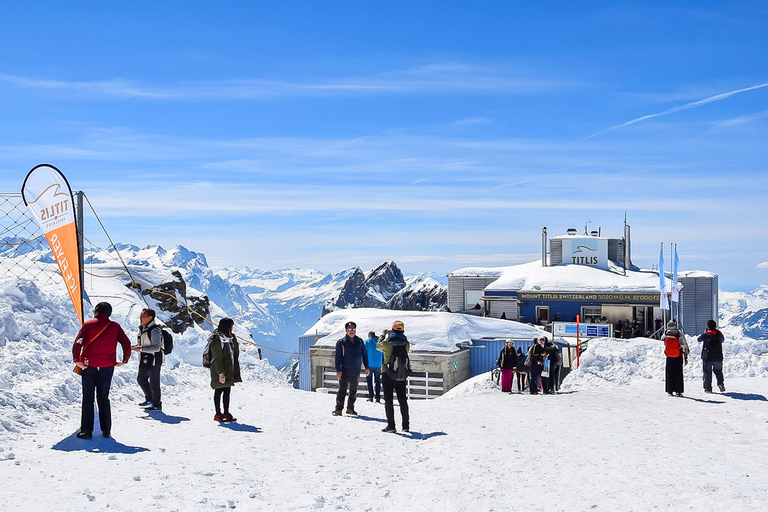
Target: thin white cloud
column 693, row 104
column 438, row 78
column 762, row 266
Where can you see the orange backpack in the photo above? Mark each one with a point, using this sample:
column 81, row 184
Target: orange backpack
column 671, row 346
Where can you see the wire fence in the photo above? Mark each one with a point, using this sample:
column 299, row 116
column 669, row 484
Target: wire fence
column 24, row 252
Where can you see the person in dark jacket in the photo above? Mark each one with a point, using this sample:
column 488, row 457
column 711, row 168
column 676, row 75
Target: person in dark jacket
column 536, row 364
column 508, row 363
column 94, row 353
column 390, row 341
column 522, row 371
column 712, row 356
column 676, row 350
column 225, row 367
column 374, row 365
column 553, row 355
column 350, row 355
column 149, row 343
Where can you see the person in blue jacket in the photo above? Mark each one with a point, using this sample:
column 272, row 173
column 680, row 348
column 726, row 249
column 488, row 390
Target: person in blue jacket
column 350, row 355
column 374, row 363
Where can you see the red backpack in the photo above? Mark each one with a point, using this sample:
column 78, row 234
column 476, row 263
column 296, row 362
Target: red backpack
column 671, row 346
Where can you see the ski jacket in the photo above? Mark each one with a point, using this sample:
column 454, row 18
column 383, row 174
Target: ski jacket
column 150, row 338
column 507, row 359
column 385, row 344
column 102, row 351
column 712, row 348
column 225, row 358
column 374, row 356
column 351, row 354
column 537, row 355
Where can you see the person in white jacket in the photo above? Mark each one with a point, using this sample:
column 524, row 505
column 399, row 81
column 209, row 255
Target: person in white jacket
column 149, row 343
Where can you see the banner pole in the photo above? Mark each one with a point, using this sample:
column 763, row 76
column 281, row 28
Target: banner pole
column 80, row 227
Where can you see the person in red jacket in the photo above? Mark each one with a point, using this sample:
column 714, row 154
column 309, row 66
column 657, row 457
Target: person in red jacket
column 94, row 352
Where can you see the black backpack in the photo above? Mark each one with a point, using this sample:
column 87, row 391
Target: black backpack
column 167, row 344
column 207, row 353
column 399, row 366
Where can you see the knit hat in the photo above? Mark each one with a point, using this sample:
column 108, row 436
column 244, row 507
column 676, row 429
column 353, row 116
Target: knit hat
column 672, row 324
column 398, row 325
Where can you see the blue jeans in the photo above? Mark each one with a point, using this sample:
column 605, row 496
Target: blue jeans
column 96, row 384
column 374, row 377
column 707, row 368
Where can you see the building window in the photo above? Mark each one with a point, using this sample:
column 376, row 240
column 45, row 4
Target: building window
column 473, row 299
column 591, row 314
column 542, row 314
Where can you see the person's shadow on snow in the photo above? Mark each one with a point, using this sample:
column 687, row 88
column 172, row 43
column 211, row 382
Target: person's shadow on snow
column 686, row 397
column 422, row 437
column 746, row 396
column 164, row 418
column 240, row 427
column 369, row 418
column 96, row 445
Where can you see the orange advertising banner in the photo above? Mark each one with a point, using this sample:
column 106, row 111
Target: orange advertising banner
column 48, row 196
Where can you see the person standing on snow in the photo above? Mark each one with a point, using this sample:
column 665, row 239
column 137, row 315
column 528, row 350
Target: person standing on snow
column 225, row 366
column 507, row 361
column 350, row 354
column 553, row 355
column 389, row 342
column 374, row 364
column 712, row 356
column 94, row 354
column 149, row 344
column 522, row 371
column 536, row 364
column 676, row 349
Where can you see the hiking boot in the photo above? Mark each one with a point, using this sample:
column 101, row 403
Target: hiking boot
column 389, row 430
column 708, row 391
column 378, row 400
column 722, row 387
column 218, row 417
column 370, row 400
column 84, row 435
column 678, row 394
column 228, row 417
column 153, row 408
column 337, row 412
column 406, row 429
column 105, row 435
column 145, row 403
column 351, row 412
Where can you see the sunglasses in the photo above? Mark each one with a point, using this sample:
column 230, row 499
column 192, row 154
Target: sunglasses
column 351, row 328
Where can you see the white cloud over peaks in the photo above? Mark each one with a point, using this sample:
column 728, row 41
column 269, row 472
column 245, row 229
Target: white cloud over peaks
column 762, row 266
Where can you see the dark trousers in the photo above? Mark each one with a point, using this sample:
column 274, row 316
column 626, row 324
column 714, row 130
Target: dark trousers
column 554, row 377
column 390, row 387
column 348, row 380
column 707, row 368
column 674, row 381
column 220, row 394
column 149, row 377
column 374, row 376
column 535, row 377
column 96, row 384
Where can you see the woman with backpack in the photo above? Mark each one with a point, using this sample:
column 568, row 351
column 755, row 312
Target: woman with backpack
column 395, row 368
column 676, row 350
column 225, row 366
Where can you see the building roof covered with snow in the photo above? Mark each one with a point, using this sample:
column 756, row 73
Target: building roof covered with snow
column 426, row 330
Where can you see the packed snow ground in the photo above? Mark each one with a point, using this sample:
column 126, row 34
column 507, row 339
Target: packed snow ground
column 621, row 448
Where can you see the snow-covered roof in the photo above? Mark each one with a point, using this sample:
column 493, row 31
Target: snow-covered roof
column 696, row 273
column 532, row 277
column 478, row 272
column 426, row 330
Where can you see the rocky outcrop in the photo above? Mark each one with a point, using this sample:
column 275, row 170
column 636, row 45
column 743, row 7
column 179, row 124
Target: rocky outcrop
column 172, row 298
column 384, row 287
column 421, row 294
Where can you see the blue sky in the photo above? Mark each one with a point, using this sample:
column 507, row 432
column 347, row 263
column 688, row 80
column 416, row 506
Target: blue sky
column 437, row 134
